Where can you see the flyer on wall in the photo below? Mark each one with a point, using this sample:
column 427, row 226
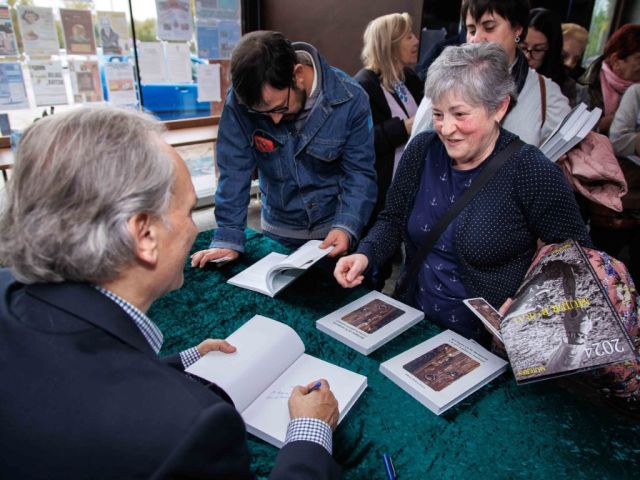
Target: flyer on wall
column 113, row 32
column 77, row 28
column 38, row 31
column 8, row 44
column 174, row 20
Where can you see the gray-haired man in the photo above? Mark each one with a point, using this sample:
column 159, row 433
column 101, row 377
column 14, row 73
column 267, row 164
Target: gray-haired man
column 96, row 226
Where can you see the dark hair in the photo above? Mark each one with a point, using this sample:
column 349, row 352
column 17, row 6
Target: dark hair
column 548, row 23
column 624, row 42
column 261, row 57
column 516, row 12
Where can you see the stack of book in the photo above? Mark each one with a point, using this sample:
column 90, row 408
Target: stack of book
column 575, row 126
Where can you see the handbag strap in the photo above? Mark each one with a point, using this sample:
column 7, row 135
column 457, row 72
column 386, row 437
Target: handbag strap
column 452, row 212
column 543, row 100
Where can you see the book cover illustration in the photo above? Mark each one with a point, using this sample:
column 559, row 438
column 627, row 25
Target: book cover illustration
column 561, row 320
column 486, row 313
column 440, row 367
column 373, row 316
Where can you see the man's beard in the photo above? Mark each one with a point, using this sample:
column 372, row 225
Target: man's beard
column 300, row 99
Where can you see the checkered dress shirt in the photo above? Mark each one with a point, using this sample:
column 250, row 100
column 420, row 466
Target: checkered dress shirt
column 299, row 429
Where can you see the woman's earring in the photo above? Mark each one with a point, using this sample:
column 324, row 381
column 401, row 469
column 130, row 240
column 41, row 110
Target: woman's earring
column 517, row 39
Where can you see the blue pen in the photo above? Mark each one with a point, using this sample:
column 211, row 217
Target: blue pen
column 315, row 386
column 388, row 466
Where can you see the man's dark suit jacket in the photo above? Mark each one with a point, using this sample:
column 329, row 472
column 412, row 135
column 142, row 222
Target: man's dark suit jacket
column 83, row 395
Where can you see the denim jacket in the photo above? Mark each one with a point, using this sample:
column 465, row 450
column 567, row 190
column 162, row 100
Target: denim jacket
column 313, row 180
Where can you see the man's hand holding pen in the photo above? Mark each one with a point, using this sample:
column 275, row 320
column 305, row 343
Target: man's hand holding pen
column 314, row 401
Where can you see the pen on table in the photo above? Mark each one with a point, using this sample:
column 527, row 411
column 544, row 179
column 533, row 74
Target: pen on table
column 388, row 466
column 315, row 386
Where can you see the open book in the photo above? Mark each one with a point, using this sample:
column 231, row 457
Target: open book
column 260, row 375
column 574, row 128
column 561, row 320
column 487, row 314
column 369, row 322
column 275, row 271
column 443, row 370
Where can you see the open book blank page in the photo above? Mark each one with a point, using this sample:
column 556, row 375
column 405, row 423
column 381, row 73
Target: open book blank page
column 265, row 349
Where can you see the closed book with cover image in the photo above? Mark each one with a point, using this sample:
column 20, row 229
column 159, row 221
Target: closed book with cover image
column 369, row 322
column 562, row 320
column 443, row 370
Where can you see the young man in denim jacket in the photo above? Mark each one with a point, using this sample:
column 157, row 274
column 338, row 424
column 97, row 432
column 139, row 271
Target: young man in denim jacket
column 307, row 127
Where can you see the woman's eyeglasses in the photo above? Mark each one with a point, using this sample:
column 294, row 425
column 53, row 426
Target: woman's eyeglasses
column 277, row 110
column 537, row 53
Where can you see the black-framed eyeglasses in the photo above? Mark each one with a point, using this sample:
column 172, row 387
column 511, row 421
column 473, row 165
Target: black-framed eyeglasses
column 536, row 53
column 283, row 109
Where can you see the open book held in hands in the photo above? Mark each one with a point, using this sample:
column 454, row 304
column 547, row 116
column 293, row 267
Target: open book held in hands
column 561, row 320
column 574, row 128
column 489, row 316
column 260, row 375
column 443, row 370
column 275, row 271
column 369, row 322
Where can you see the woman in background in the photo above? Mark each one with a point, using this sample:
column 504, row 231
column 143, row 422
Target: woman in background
column 607, row 79
column 543, row 49
column 394, row 90
column 609, row 76
column 574, row 43
column 540, row 105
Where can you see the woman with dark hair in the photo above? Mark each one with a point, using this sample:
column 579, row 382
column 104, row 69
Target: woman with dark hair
column 540, row 104
column 543, row 49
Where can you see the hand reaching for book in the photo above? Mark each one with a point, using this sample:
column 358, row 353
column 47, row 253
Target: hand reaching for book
column 340, row 241
column 317, row 403
column 349, row 270
column 213, row 255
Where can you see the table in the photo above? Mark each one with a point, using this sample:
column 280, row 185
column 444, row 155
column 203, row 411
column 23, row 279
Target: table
column 503, row 431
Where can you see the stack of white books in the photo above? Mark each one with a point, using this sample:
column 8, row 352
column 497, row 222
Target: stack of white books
column 575, row 126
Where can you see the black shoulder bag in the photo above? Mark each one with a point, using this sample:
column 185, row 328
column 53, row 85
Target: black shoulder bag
column 406, row 283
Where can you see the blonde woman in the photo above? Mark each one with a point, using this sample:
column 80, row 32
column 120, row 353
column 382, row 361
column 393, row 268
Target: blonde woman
column 394, row 90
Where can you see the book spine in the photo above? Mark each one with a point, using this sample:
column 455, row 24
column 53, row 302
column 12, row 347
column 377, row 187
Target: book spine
column 612, row 307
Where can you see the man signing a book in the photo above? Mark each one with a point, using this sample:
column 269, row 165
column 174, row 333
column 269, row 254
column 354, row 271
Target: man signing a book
column 96, row 226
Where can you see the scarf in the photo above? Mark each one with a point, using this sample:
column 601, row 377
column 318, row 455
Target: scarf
column 613, row 87
column 520, row 70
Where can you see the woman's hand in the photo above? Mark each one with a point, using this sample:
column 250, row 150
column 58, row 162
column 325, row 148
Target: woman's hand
column 348, row 271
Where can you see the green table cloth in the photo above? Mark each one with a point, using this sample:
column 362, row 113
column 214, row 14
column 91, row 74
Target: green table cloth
column 503, row 431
